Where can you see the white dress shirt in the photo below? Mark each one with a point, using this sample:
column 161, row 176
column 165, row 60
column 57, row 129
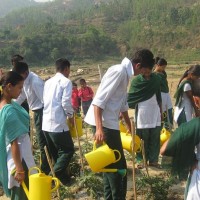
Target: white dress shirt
column 111, row 95
column 57, row 103
column 32, row 91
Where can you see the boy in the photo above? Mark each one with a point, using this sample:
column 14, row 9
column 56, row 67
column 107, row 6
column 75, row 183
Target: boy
column 57, row 107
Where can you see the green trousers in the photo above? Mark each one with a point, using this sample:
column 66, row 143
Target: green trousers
column 61, row 148
column 17, row 193
column 151, row 137
column 41, row 139
column 115, row 185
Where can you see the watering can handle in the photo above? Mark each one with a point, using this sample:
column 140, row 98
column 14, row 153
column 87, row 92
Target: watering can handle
column 95, row 145
column 119, row 155
column 57, row 182
column 34, row 168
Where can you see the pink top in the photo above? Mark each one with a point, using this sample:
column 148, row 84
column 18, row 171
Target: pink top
column 85, row 93
column 74, row 100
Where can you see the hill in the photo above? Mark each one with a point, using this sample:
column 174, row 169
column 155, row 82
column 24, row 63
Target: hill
column 95, row 29
column 10, row 5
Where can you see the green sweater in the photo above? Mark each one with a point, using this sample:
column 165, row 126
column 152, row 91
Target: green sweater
column 142, row 90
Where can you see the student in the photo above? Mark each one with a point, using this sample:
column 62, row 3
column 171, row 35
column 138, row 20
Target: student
column 86, row 94
column 57, row 107
column 185, row 106
column 181, row 147
column 109, row 101
column 33, row 92
column 145, row 97
column 160, row 67
column 75, row 98
column 15, row 146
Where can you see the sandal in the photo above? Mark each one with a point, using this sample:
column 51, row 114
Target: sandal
column 156, row 165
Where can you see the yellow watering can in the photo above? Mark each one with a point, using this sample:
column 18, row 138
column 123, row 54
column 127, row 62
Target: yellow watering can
column 72, row 129
column 122, row 127
column 40, row 186
column 126, row 139
column 101, row 157
column 164, row 136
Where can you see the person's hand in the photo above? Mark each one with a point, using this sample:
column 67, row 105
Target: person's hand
column 19, row 176
column 99, row 136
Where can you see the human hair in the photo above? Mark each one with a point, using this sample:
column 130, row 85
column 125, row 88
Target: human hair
column 160, row 61
column 82, row 80
column 10, row 77
column 194, row 70
column 16, row 58
column 20, row 67
column 145, row 57
column 61, row 64
column 196, row 88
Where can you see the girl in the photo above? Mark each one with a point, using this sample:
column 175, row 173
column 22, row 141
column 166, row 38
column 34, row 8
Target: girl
column 145, row 96
column 185, row 106
column 15, row 147
column 86, row 94
column 75, row 98
column 161, row 64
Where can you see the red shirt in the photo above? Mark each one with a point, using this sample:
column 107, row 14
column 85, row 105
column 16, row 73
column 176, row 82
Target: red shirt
column 85, row 93
column 74, row 100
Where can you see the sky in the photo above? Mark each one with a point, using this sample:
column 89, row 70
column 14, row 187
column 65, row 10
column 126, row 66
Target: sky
column 42, row 0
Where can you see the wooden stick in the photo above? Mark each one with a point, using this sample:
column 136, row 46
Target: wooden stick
column 79, row 145
column 52, row 170
column 144, row 157
column 133, row 158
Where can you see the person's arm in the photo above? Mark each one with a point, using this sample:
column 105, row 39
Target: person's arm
column 19, row 174
column 190, row 96
column 99, row 135
column 127, row 120
column 66, row 100
column 163, row 148
column 91, row 93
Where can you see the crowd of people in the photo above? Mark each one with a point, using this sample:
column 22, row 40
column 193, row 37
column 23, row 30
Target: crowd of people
column 59, row 98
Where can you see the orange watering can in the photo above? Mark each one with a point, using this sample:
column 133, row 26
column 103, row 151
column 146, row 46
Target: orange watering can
column 40, row 186
column 126, row 139
column 78, row 121
column 164, row 136
column 101, row 157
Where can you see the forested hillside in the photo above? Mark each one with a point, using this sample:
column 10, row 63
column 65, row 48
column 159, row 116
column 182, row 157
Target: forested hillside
column 95, row 29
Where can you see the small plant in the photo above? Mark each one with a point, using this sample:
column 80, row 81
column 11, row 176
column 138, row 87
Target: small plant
column 154, row 187
column 93, row 183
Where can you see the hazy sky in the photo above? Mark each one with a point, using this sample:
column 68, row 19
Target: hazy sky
column 42, row 0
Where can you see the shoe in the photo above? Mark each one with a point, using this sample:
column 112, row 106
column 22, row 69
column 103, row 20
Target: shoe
column 156, row 165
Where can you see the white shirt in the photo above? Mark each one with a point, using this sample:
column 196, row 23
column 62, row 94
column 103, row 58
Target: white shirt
column 111, row 95
column 186, row 104
column 32, row 91
column 57, row 103
column 148, row 115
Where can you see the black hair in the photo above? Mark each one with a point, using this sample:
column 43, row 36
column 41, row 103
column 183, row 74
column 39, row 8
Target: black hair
column 61, row 64
column 82, row 80
column 16, row 58
column 10, row 77
column 74, row 83
column 160, row 61
column 145, row 57
column 20, row 67
column 196, row 87
column 194, row 70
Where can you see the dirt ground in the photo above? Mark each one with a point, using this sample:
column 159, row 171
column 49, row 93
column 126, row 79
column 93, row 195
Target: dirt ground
column 91, row 74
